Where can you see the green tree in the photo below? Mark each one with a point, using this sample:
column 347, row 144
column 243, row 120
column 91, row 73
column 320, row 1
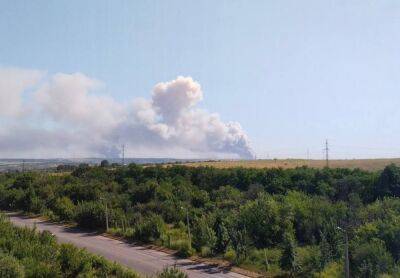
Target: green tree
column 152, row 228
column 221, row 233
column 289, row 260
column 240, row 243
column 325, row 249
column 90, row 215
column 263, row 220
column 389, row 182
column 64, row 208
column 203, row 234
column 370, row 259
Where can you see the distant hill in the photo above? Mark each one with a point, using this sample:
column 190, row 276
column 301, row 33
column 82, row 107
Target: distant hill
column 42, row 164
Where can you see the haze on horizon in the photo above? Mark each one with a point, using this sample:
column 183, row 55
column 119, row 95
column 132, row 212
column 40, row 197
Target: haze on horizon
column 199, row 79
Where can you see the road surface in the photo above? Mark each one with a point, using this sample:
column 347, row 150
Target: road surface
column 142, row 260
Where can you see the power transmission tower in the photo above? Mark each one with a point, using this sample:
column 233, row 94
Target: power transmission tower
column 123, row 154
column 326, row 153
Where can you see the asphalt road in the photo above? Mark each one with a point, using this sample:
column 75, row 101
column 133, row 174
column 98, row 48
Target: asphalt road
column 141, row 259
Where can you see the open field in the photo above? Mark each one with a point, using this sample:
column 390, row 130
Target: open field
column 365, row 164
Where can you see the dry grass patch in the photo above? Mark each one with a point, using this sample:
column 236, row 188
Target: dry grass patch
column 365, row 164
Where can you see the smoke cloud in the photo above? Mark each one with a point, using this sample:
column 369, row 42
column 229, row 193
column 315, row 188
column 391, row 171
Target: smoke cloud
column 69, row 115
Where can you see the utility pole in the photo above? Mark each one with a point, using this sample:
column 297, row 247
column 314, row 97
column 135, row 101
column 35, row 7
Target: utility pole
column 326, row 153
column 106, row 211
column 346, row 252
column 106, row 217
column 188, row 227
column 23, row 166
column 347, row 262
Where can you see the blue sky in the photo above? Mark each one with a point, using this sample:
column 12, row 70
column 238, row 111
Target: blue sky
column 292, row 73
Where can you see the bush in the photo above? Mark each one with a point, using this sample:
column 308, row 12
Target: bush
column 72, row 260
column 332, row 270
column 172, row 272
column 175, row 238
column 185, row 251
column 151, row 229
column 310, row 260
column 230, row 255
column 221, row 228
column 265, row 259
column 263, row 220
column 203, row 235
column 34, row 268
column 240, row 243
column 289, row 260
column 10, row 267
column 371, row 259
column 64, row 208
column 205, row 251
column 90, row 215
column 38, row 255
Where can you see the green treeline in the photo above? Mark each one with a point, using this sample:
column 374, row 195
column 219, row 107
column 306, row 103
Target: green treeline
column 281, row 222
column 26, row 253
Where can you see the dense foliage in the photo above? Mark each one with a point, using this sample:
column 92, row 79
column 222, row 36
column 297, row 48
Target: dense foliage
column 26, row 253
column 284, row 222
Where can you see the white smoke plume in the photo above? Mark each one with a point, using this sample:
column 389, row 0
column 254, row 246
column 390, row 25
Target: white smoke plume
column 66, row 115
column 13, row 83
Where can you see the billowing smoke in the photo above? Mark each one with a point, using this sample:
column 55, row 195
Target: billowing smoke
column 66, row 115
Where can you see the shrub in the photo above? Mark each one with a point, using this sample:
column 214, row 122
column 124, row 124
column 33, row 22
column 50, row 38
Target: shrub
column 203, row 235
column 10, row 267
column 185, row 251
column 73, row 261
column 172, row 272
column 263, row 220
column 34, row 268
column 289, row 260
column 205, row 251
column 230, row 255
column 221, row 228
column 64, row 208
column 371, row 259
column 39, row 255
column 240, row 243
column 332, row 270
column 151, row 229
column 265, row 259
column 310, row 260
column 90, row 215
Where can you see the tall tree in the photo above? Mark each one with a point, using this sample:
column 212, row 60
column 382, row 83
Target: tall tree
column 289, row 260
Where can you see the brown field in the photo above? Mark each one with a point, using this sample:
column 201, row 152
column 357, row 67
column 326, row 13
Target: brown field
column 365, row 164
